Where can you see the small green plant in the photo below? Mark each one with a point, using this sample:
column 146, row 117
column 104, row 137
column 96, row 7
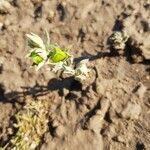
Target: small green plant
column 56, row 57
column 118, row 41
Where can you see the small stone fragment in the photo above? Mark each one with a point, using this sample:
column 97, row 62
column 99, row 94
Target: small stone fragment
column 95, row 123
column 1, row 26
column 132, row 111
column 141, row 90
column 56, row 123
column 4, row 7
column 60, row 131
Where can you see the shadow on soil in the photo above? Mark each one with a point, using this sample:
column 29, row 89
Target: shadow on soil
column 39, row 90
column 54, row 84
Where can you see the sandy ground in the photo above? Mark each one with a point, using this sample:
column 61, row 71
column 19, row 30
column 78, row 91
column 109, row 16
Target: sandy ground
column 111, row 110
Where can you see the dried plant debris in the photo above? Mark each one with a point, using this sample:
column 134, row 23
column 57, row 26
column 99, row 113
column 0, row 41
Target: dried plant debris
column 118, row 41
column 31, row 124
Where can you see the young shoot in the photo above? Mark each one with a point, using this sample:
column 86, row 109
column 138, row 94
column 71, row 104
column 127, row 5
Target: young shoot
column 56, row 57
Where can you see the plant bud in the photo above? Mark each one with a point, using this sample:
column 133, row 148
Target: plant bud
column 59, row 55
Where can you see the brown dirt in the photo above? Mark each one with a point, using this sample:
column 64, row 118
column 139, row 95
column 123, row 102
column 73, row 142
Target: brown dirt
column 111, row 110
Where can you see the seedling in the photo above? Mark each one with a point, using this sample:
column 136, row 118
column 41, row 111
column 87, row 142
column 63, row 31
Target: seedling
column 118, row 41
column 56, row 57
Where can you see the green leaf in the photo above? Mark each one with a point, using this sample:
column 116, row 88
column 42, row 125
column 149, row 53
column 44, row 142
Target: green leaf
column 59, row 55
column 37, row 59
column 34, row 41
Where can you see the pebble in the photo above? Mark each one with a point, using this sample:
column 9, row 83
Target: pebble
column 4, row 6
column 56, row 123
column 132, row 111
column 95, row 123
column 60, row 131
column 1, row 26
column 141, row 90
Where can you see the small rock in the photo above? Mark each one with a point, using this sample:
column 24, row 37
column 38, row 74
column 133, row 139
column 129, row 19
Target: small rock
column 131, row 111
column 95, row 123
column 1, row 26
column 120, row 139
column 9, row 130
column 51, row 14
column 4, row 6
column 3, row 45
column 60, row 131
column 55, row 123
column 1, row 68
column 65, row 91
column 141, row 90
